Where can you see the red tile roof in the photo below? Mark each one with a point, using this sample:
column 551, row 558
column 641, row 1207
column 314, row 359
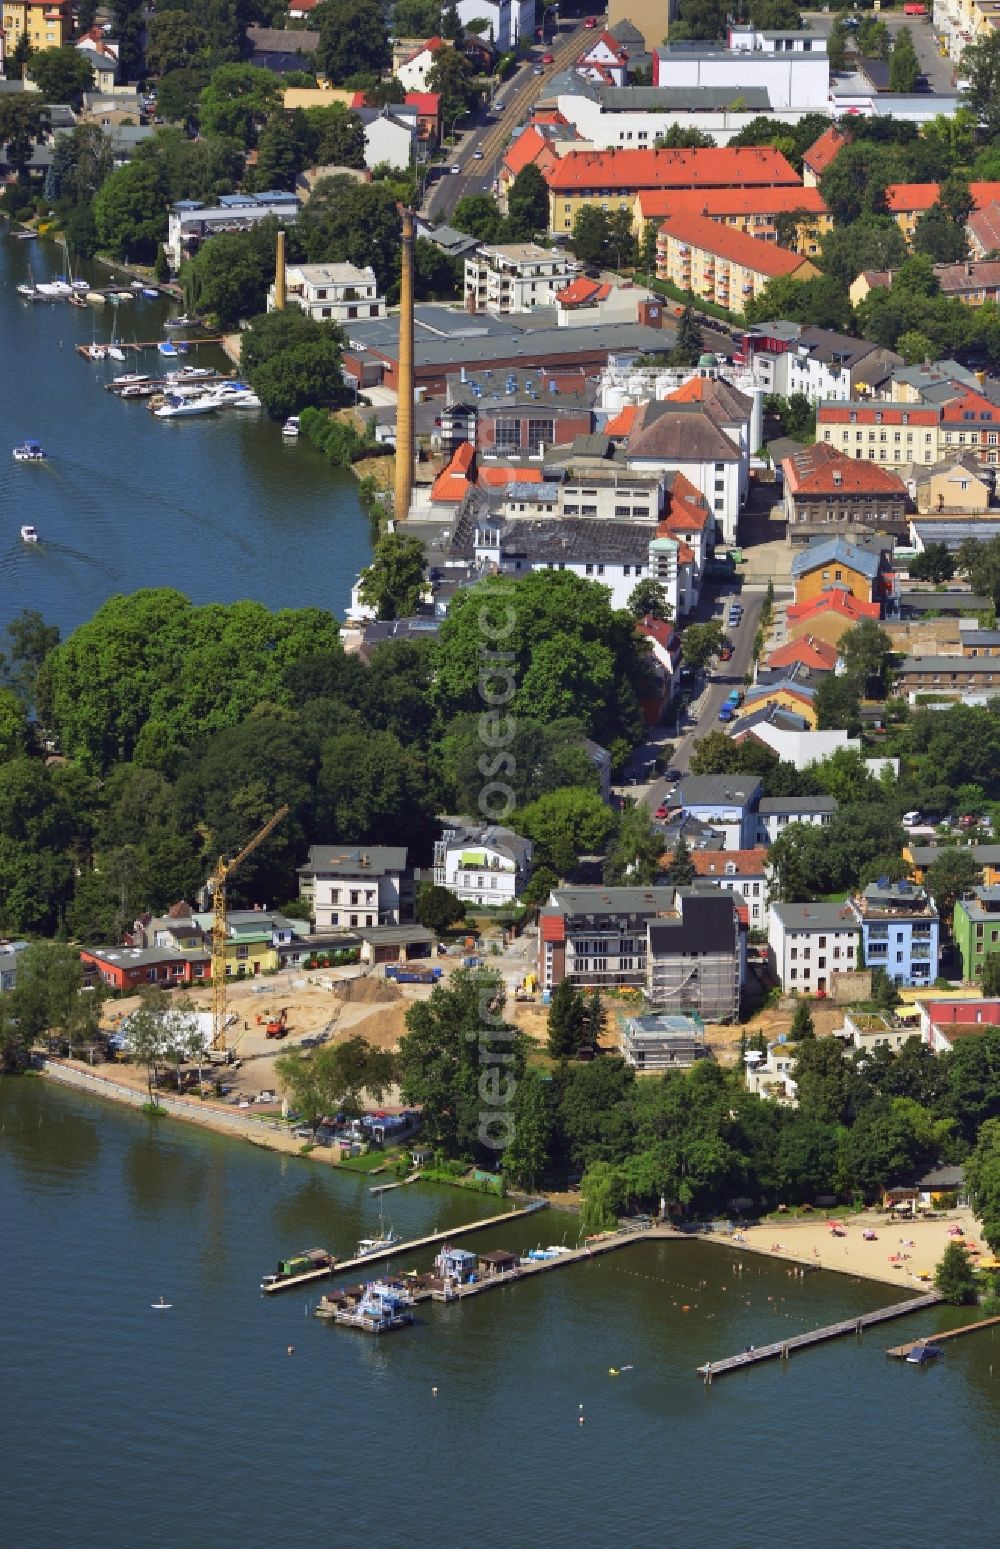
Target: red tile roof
column 715, row 863
column 821, row 470
column 822, row 151
column 424, row 101
column 659, row 630
column 685, row 554
column 973, row 403
column 807, row 650
column 864, row 414
column 582, row 292
column 552, row 927
column 621, row 426
column 740, row 248
column 911, row 198
column 984, row 226
column 960, row 279
column 548, row 116
column 495, row 478
column 715, row 167
column 452, row 483
column 657, row 203
column 529, row 147
column 834, row 601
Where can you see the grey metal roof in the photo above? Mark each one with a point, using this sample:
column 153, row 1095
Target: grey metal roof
column 581, row 539
column 394, row 935
column 836, row 551
column 950, row 664
column 485, row 338
column 769, row 804
column 944, row 602
column 611, row 900
column 983, row 854
column 954, row 533
column 683, row 99
column 816, row 916
column 717, row 790
column 381, row 858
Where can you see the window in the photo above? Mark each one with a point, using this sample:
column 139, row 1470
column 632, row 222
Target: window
column 507, row 435
column 540, row 433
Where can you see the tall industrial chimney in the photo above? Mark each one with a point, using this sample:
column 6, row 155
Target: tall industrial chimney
column 279, row 273
column 404, row 384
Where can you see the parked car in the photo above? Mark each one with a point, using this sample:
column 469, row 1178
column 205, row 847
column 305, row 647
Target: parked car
column 673, row 774
column 661, row 810
column 726, row 713
column 456, row 171
column 590, row 23
column 911, row 819
column 726, row 653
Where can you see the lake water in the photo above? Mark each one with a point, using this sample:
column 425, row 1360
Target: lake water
column 122, row 1426
column 221, row 507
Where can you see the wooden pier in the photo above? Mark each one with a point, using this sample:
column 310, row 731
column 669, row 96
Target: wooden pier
column 399, row 1248
column 83, row 350
column 902, row 1351
column 817, row 1336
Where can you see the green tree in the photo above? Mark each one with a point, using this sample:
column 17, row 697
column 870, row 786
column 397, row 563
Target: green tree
column 479, row 215
column 178, row 95
column 648, row 600
column 23, row 122
column 439, row 909
column 338, row 136
column 699, row 643
column 869, row 242
column 47, row 997
column 676, row 138
column 937, row 235
column 238, row 101
column 951, row 874
column 980, row 561
column 29, row 642
column 954, row 1277
column 802, row 1023
column 452, row 26
column 602, row 1188
column 454, row 79
column 130, row 210
column 350, row 222
column 806, row 1159
column 353, row 38
column 634, row 857
column 904, row 66
column 681, row 865
column 526, row 1159
column 148, row 1035
column 690, row 340
column 565, row 1022
column 914, row 347
column 989, row 981
column 865, row 651
column 437, row 276
column 838, row 704
column 415, row 18
column 228, row 278
column 174, row 39
column 934, row 563
column 337, row 1077
column 461, row 1062
column 855, row 181
column 281, row 155
column 589, row 236
column 822, row 1075
column 394, row 581
column 293, row 361
column 18, row 57
column 61, row 75
column 980, row 67
column 566, row 824
column 982, row 1177
column 527, row 205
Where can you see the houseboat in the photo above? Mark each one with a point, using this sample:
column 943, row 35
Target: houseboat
column 29, row 452
column 383, row 1307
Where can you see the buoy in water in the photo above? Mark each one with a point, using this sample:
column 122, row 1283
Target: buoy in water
column 291, row 1350
column 613, row 1371
column 434, row 1392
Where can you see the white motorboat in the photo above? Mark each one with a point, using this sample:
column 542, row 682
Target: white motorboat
column 129, row 379
column 29, row 534
column 190, row 374
column 290, row 429
column 83, row 285
column 180, row 322
column 235, row 395
column 26, row 290
column 96, row 352
column 29, row 452
column 183, row 408
column 95, row 298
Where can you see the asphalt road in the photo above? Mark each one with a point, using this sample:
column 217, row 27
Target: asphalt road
column 701, row 716
column 491, row 135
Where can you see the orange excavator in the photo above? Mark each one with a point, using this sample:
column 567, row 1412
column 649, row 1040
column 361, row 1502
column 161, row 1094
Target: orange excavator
column 277, row 1027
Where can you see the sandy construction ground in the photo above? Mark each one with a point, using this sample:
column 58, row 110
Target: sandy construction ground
column 811, row 1242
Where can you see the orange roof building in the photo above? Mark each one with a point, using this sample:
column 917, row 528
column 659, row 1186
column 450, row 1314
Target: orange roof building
column 753, row 210
column 721, row 264
column 820, row 154
column 829, row 616
column 614, row 178
column 827, row 488
column 908, row 201
column 807, row 651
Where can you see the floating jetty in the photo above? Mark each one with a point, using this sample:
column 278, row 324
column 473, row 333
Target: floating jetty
column 290, row 1282
column 900, row 1352
column 817, row 1336
column 83, row 350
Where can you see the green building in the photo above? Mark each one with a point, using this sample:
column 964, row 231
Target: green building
column 976, row 929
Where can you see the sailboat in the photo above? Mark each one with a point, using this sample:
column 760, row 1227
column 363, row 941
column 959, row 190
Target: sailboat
column 385, row 1239
column 113, row 349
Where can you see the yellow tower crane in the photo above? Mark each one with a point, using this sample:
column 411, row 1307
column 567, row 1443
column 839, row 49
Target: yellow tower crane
column 217, row 882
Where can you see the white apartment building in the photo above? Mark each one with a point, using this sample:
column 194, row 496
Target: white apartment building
column 791, row 67
column 482, row 863
column 357, row 885
column 516, row 277
column 775, row 813
column 338, row 292
column 190, row 222
column 809, row 943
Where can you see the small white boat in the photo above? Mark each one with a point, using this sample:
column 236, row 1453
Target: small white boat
column 161, row 1306
column 235, row 395
column 148, row 291
column 26, row 290
column 95, row 298
column 96, row 352
column 190, row 374
column 183, row 408
column 83, row 285
column 129, row 378
column 290, row 429
column 29, row 452
column 180, row 322
column 29, row 534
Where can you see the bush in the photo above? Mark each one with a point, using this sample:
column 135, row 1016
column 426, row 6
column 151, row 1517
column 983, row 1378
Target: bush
column 341, row 441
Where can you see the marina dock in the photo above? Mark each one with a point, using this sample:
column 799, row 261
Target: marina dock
column 83, row 350
column 900, row 1352
column 818, row 1336
column 345, row 1265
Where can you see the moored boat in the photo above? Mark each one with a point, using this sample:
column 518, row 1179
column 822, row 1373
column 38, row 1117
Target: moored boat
column 183, row 408
column 310, row 1261
column 290, row 429
column 923, row 1355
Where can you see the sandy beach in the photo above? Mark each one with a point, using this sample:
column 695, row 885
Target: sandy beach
column 812, row 1242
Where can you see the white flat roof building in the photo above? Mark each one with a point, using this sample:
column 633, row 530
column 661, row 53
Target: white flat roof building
column 516, row 277
column 339, row 292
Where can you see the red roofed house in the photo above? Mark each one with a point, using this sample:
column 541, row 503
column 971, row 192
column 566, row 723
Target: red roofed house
column 888, row 433
column 428, row 106
column 829, row 616
column 753, row 210
column 908, row 201
column 806, row 651
column 581, row 292
column 983, row 231
column 825, row 488
column 820, row 154
column 721, row 264
column 944, row 1022
column 604, row 61
column 743, row 872
column 613, row 178
column 665, row 649
column 454, row 481
column 412, row 73
column 529, row 148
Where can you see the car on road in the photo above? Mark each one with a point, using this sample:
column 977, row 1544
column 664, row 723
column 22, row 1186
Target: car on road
column 673, row 774
column 733, row 621
column 727, row 713
column 661, row 810
column 913, row 8
column 590, row 23
column 548, row 59
column 726, row 653
column 477, row 155
column 456, row 171
column 539, row 70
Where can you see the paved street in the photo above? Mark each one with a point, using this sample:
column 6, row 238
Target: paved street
column 492, row 134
